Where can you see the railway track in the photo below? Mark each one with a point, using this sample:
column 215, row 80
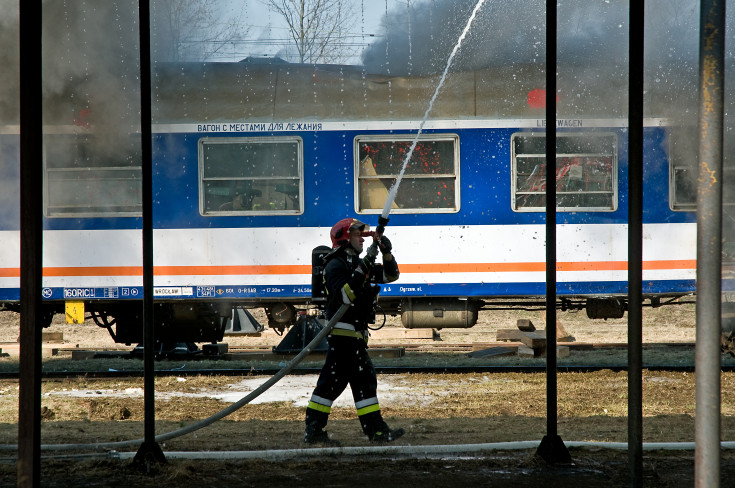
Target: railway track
column 382, row 370
column 62, row 350
column 264, row 354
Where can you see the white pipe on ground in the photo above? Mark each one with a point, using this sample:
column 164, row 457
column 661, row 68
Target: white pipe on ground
column 394, row 450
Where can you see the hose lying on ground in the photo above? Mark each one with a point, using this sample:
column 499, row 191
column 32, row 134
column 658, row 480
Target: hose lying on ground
column 217, row 416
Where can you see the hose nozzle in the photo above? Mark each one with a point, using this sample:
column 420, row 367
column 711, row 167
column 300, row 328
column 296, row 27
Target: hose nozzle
column 382, row 222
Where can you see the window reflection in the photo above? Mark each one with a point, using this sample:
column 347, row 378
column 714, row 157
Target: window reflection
column 251, row 175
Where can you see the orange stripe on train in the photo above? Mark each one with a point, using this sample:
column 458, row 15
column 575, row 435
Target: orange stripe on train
column 284, row 269
column 540, row 266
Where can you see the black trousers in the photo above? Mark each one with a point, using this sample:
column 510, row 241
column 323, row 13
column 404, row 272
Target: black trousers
column 347, row 362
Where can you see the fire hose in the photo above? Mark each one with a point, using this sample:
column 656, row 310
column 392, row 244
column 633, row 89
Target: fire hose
column 382, row 222
column 217, row 416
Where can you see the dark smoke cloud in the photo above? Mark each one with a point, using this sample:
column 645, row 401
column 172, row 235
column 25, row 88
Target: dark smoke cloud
column 91, row 84
column 592, row 47
column 9, row 59
column 90, row 63
column 514, row 31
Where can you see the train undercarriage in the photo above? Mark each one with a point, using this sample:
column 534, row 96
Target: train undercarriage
column 180, row 325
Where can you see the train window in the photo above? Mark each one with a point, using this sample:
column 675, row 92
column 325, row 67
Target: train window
column 430, row 182
column 251, row 176
column 586, row 172
column 92, row 176
column 683, row 187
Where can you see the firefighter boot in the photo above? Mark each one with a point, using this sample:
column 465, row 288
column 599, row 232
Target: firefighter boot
column 316, row 435
column 386, row 434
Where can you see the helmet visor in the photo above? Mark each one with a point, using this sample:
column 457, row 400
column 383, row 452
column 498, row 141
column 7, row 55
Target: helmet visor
column 362, row 227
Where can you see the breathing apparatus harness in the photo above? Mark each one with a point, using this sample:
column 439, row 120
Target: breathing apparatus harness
column 320, row 255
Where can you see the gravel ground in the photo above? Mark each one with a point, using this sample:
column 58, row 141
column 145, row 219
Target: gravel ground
column 436, row 410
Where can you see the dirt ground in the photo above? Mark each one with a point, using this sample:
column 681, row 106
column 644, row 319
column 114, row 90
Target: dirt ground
column 443, row 410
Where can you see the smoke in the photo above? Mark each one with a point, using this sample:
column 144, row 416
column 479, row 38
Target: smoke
column 91, row 90
column 592, row 43
column 9, row 59
column 91, row 65
column 592, row 50
column 514, row 31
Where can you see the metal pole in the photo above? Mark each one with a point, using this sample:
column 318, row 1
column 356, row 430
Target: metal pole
column 551, row 62
column 31, row 244
column 552, row 448
column 635, row 244
column 150, row 451
column 709, row 244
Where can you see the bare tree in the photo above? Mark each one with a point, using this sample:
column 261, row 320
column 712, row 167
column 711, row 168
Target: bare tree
column 192, row 30
column 320, row 29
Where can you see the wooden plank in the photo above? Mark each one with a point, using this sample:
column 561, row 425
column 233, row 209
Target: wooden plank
column 270, row 356
column 84, row 354
column 479, row 346
column 494, row 352
column 525, row 325
column 512, row 335
column 581, row 346
column 381, row 352
column 527, row 352
column 48, row 336
column 534, row 340
column 561, row 333
column 400, row 333
column 387, row 352
column 584, row 346
column 47, row 349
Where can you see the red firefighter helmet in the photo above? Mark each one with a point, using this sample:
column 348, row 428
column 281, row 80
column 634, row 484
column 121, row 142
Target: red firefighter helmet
column 340, row 232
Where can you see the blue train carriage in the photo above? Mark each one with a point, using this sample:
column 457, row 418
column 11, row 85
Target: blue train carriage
column 253, row 163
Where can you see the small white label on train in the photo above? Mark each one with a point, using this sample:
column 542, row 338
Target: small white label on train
column 78, row 292
column 561, row 122
column 260, row 127
column 167, row 291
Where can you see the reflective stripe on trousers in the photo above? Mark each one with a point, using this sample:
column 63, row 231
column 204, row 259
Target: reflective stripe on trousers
column 369, row 405
column 320, row 404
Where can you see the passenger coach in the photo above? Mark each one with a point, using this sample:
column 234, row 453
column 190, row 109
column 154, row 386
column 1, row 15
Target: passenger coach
column 253, row 163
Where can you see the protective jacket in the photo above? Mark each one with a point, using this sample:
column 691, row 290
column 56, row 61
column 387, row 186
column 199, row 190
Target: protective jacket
column 347, row 282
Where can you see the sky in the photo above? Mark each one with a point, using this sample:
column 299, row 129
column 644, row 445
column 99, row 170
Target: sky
column 262, row 24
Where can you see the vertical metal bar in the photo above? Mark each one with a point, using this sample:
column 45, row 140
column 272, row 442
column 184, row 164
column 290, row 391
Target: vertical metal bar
column 709, row 244
column 149, row 451
column 635, row 243
column 551, row 62
column 31, row 244
column 147, row 195
column 552, row 448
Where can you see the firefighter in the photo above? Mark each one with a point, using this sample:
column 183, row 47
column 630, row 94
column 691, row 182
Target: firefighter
column 351, row 280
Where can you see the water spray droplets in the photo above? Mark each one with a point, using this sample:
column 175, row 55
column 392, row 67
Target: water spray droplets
column 394, row 188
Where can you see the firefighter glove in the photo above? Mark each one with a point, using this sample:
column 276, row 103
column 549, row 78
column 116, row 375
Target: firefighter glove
column 385, row 245
column 366, row 265
column 372, row 252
